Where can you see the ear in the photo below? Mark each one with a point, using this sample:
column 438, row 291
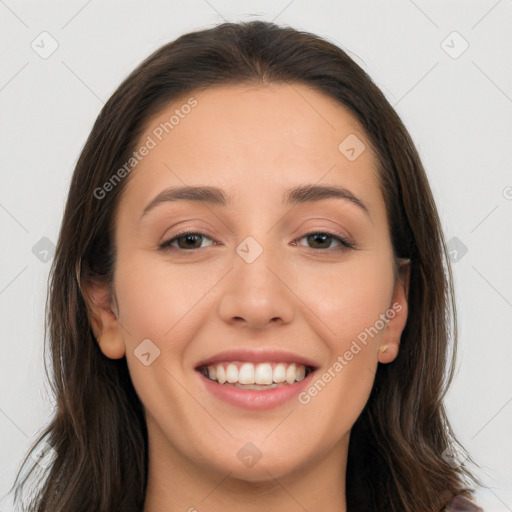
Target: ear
column 396, row 314
column 102, row 314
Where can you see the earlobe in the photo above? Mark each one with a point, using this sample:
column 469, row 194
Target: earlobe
column 388, row 352
column 102, row 316
column 112, row 345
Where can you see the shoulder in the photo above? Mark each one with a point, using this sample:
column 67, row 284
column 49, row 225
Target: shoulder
column 461, row 504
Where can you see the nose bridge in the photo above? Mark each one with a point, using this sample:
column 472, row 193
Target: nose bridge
column 254, row 264
column 256, row 293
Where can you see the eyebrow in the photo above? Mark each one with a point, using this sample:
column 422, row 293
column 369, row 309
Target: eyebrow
column 217, row 196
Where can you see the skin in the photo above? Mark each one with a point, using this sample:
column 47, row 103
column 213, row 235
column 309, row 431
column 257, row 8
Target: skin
column 253, row 141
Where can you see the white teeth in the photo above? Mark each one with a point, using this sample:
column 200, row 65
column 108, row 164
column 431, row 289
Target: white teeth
column 251, row 376
column 280, row 373
column 246, row 374
column 290, row 374
column 221, row 374
column 263, row 374
column 232, row 373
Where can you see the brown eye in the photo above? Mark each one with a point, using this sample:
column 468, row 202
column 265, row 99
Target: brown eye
column 322, row 240
column 189, row 241
column 186, row 241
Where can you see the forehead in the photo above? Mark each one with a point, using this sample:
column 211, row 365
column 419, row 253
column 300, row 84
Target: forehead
column 293, row 115
column 275, row 135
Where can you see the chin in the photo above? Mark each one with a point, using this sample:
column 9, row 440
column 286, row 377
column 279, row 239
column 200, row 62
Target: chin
column 261, row 467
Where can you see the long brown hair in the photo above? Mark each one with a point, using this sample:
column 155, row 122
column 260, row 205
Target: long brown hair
column 397, row 454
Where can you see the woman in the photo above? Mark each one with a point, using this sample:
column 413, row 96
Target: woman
column 255, row 369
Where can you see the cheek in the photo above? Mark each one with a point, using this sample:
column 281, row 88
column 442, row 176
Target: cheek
column 337, row 396
column 155, row 296
column 350, row 304
column 160, row 302
column 167, row 304
column 348, row 298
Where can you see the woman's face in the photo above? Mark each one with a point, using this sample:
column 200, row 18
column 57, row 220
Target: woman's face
column 262, row 283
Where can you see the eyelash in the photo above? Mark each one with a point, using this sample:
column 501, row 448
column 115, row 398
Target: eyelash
column 166, row 246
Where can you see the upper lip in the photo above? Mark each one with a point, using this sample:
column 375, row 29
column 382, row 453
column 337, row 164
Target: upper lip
column 258, row 356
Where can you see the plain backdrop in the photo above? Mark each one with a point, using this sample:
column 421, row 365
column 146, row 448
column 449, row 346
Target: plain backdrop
column 446, row 66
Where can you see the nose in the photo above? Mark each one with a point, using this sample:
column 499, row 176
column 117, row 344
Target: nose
column 257, row 294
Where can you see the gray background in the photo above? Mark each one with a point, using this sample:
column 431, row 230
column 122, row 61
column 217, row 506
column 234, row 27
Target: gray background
column 456, row 104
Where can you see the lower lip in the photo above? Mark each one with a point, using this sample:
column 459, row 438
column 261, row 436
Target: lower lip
column 253, row 398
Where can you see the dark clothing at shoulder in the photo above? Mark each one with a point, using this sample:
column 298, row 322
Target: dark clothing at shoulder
column 462, row 504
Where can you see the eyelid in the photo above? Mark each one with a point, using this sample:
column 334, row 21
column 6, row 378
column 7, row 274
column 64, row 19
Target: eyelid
column 165, row 245
column 345, row 242
column 341, row 238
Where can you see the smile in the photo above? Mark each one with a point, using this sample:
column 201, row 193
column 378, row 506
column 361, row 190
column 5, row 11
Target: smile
column 246, row 375
column 257, row 386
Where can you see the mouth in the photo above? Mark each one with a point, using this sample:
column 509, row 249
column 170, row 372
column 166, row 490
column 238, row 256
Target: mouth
column 255, row 376
column 259, row 384
column 255, row 379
